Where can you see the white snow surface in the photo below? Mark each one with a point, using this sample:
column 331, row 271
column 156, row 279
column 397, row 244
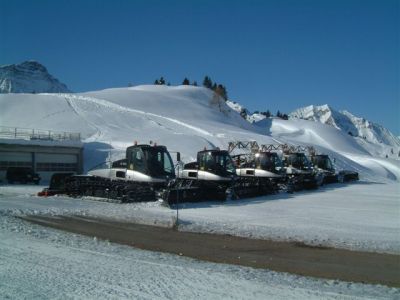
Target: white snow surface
column 250, row 117
column 43, row 263
column 185, row 119
column 29, row 77
column 360, row 216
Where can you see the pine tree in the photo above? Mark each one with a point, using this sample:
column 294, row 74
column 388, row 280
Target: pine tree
column 207, row 82
column 156, row 82
column 185, row 81
column 195, row 83
column 278, row 114
column 222, row 91
column 285, row 117
column 162, row 81
column 268, row 114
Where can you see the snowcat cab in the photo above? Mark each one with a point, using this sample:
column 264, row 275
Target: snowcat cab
column 140, row 176
column 260, row 173
column 324, row 166
column 149, row 164
column 259, row 168
column 300, row 171
column 261, row 164
column 208, row 178
column 216, row 165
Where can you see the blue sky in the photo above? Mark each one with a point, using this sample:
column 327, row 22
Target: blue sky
column 273, row 55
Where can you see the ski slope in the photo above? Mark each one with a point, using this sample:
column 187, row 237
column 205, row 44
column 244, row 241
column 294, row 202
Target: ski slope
column 185, row 119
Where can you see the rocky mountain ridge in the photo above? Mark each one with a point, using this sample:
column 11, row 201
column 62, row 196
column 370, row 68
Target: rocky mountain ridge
column 29, row 77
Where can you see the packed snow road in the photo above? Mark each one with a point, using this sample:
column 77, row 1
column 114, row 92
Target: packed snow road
column 294, row 258
column 41, row 263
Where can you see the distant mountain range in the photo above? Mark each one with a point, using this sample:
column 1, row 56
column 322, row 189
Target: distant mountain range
column 347, row 122
column 341, row 120
column 29, row 77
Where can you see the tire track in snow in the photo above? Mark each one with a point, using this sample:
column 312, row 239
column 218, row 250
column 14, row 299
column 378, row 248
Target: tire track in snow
column 78, row 112
column 123, row 109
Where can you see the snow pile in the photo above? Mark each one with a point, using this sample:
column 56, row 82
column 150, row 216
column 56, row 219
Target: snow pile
column 348, row 123
column 29, row 77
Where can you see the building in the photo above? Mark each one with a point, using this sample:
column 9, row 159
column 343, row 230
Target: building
column 47, row 152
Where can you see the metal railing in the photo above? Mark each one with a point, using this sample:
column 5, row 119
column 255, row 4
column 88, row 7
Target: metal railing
column 38, row 134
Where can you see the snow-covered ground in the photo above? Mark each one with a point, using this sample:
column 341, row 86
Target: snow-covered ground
column 360, row 216
column 43, row 263
column 185, row 119
column 37, row 262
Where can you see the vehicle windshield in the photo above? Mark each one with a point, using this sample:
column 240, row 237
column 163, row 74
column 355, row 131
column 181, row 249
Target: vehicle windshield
column 219, row 163
column 323, row 162
column 299, row 161
column 159, row 162
column 154, row 161
column 269, row 162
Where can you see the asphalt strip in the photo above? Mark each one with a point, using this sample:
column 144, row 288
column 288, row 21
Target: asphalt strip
column 291, row 257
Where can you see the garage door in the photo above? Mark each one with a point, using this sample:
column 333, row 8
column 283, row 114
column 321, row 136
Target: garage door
column 48, row 162
column 15, row 159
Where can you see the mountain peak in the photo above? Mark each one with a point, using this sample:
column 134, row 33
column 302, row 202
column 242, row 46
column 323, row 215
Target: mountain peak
column 29, row 77
column 348, row 123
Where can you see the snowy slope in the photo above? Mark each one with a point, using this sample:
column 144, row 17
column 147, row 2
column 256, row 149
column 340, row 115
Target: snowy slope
column 348, row 123
column 184, row 118
column 236, row 106
column 29, row 77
